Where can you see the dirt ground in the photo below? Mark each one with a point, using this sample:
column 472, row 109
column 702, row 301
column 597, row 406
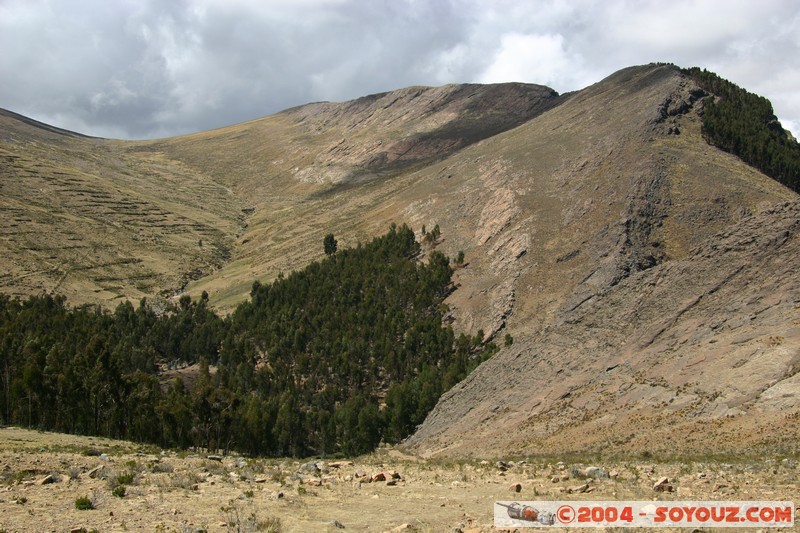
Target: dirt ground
column 43, row 474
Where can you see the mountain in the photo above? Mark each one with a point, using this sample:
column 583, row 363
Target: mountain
column 645, row 276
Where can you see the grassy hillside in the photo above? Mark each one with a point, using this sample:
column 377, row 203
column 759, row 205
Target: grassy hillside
column 93, row 220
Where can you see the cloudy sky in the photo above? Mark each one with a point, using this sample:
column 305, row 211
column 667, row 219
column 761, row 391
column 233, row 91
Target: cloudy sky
column 153, row 68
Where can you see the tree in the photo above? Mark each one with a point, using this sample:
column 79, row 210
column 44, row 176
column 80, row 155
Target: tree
column 329, row 243
column 298, row 369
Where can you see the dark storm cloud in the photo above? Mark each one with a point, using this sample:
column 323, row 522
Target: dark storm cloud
column 150, row 68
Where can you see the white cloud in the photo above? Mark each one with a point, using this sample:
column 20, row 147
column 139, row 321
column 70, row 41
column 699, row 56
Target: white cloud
column 147, row 67
column 529, row 58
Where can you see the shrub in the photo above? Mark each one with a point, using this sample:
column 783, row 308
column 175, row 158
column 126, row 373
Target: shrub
column 83, row 504
column 126, row 478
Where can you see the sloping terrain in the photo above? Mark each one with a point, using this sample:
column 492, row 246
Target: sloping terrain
column 645, row 277
column 99, row 220
column 345, row 168
column 84, row 218
column 696, row 355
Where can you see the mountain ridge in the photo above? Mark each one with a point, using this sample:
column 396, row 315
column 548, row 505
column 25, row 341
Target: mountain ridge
column 566, row 219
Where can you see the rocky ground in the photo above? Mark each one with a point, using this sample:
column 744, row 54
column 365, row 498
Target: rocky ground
column 141, row 488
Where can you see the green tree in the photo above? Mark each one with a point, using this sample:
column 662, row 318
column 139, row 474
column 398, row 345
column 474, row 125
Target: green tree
column 329, row 244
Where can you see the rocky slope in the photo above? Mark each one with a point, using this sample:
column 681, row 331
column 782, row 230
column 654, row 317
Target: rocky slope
column 646, row 277
column 695, row 355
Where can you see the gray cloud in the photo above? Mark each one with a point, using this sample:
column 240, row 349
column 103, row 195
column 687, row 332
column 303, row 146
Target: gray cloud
column 148, row 68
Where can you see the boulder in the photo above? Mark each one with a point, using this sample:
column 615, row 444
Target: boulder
column 578, row 489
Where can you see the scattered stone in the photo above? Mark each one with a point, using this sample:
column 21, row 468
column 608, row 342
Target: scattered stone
column 339, row 464
column 565, row 477
column 391, row 482
column 578, row 489
column 260, row 480
column 240, row 462
column 595, row 472
column 401, row 527
column 78, row 530
column 104, row 457
column 614, row 474
column 502, row 466
column 555, row 479
column 217, row 458
column 46, row 480
column 93, row 473
column 337, row 524
column 718, row 487
column 662, row 485
column 515, row 487
column 380, row 476
column 310, row 467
